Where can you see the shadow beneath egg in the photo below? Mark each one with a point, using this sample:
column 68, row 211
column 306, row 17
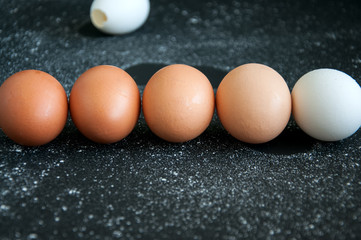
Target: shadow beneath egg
column 215, row 140
column 290, row 141
column 141, row 73
column 214, row 75
column 88, row 30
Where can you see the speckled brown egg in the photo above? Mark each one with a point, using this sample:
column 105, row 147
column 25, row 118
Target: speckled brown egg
column 253, row 103
column 33, row 107
column 178, row 103
column 105, row 104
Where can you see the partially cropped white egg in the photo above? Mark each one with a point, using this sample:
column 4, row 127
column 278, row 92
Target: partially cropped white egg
column 327, row 104
column 119, row 16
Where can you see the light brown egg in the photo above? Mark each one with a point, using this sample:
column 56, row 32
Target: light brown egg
column 253, row 103
column 105, row 104
column 33, row 107
column 178, row 103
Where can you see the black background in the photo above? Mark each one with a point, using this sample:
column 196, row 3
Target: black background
column 213, row 187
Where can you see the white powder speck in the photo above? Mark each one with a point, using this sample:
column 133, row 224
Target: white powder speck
column 32, row 236
column 117, row 234
column 4, row 207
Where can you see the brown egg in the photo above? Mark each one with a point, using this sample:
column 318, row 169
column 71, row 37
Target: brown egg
column 33, row 107
column 105, row 104
column 178, row 103
column 253, row 103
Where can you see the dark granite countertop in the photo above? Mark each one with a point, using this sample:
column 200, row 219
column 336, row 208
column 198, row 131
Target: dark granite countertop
column 213, row 187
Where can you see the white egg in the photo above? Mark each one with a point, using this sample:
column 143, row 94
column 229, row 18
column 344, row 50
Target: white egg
column 327, row 104
column 119, row 16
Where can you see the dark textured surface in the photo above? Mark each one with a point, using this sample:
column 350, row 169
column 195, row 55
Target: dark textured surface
column 213, row 187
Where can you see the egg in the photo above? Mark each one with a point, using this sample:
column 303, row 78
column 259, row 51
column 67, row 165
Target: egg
column 178, row 103
column 33, row 107
column 105, row 104
column 327, row 104
column 253, row 103
column 119, row 16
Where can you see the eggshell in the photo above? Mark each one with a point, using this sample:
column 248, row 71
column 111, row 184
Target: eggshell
column 327, row 104
column 33, row 107
column 253, row 103
column 119, row 16
column 178, row 103
column 105, row 104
